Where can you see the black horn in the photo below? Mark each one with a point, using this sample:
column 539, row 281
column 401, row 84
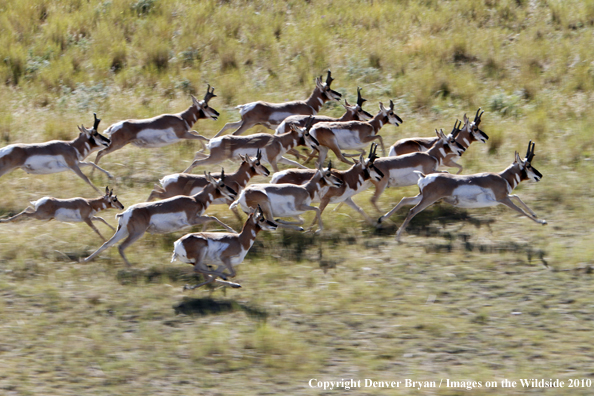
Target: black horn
column 456, row 129
column 209, row 94
column 360, row 100
column 477, row 117
column 97, row 121
column 329, row 78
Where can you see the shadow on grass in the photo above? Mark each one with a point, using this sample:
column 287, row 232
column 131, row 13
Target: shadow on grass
column 209, row 306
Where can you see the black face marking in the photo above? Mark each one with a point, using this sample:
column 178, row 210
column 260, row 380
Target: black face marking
column 379, row 172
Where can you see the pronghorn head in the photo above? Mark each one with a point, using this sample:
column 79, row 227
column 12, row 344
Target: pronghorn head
column 389, row 113
column 220, row 186
column 306, row 138
column 370, row 171
column 256, row 165
column 202, row 106
column 112, row 199
column 357, row 110
column 525, row 165
column 449, row 143
column 472, row 128
column 95, row 139
column 330, row 179
column 257, row 216
column 325, row 89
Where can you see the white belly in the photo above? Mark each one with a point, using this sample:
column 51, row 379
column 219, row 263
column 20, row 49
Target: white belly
column 403, row 177
column 284, row 205
column 276, row 118
column 348, row 140
column 151, row 138
column 472, row 197
column 63, row 214
column 44, row 164
column 167, row 222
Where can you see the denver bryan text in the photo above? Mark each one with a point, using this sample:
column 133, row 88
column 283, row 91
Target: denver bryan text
column 347, row 384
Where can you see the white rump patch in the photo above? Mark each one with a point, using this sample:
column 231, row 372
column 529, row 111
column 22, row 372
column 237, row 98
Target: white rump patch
column 244, row 108
column 114, row 128
column 39, row 202
column 169, row 179
column 214, row 142
column 423, row 181
column 179, row 252
column 6, row 150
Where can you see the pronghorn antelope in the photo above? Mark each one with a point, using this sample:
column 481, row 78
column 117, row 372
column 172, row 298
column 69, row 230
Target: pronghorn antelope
column 161, row 130
column 271, row 115
column 166, row 216
column 400, row 170
column 56, row 155
column 225, row 250
column 470, row 133
column 70, row 210
column 271, row 147
column 353, row 113
column 352, row 135
column 355, row 180
column 188, row 184
column 473, row 191
column 288, row 200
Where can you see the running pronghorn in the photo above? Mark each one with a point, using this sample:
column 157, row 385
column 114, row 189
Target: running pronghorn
column 352, row 135
column 225, row 250
column 401, row 171
column 56, row 155
column 70, row 210
column 470, row 133
column 271, row 147
column 353, row 113
column 473, row 191
column 166, row 216
column 271, row 115
column 355, row 180
column 161, row 130
column 288, row 200
column 188, row 184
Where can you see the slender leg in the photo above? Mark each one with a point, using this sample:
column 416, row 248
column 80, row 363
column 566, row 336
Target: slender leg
column 508, row 202
column 318, row 216
column 244, row 127
column 379, row 190
column 206, row 219
column 336, row 150
column 90, row 224
column 193, row 135
column 352, row 204
column 120, row 234
column 229, row 125
column 425, row 202
column 206, row 161
column 404, row 201
column 127, row 242
column 95, row 166
column 77, row 170
column 449, row 162
column 524, row 205
column 287, row 161
column 29, row 212
column 103, row 220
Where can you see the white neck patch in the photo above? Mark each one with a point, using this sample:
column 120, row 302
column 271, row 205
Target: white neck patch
column 466, row 142
column 442, row 151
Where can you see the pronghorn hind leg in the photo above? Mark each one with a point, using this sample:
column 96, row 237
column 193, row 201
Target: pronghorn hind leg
column 207, row 161
column 77, row 170
column 404, row 201
column 29, row 212
column 450, row 163
column 509, row 203
column 121, row 233
column 287, row 161
column 425, row 202
column 229, row 125
column 127, row 242
column 352, row 204
column 95, row 166
column 380, row 187
column 370, row 139
column 193, row 135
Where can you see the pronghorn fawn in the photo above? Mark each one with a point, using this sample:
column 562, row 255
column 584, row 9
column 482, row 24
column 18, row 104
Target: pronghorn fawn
column 56, row 155
column 271, row 115
column 161, row 130
column 354, row 180
column 70, row 210
column 473, row 191
column 468, row 134
column 189, row 184
column 225, row 250
column 166, row 216
column 288, row 200
column 271, row 147
column 400, row 171
column 352, row 135
column 353, row 113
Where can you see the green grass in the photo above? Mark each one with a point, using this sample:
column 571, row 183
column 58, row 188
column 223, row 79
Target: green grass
column 466, row 296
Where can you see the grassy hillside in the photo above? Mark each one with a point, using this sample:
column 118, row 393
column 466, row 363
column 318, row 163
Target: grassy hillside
column 477, row 295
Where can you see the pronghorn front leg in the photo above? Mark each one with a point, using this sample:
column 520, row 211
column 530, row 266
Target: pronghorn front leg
column 206, row 161
column 422, row 205
column 95, row 166
column 287, row 161
column 207, row 219
column 90, row 224
column 352, row 204
column 318, row 216
column 404, row 201
column 77, row 170
column 524, row 205
column 450, row 163
column 104, row 222
column 509, row 203
column 193, row 135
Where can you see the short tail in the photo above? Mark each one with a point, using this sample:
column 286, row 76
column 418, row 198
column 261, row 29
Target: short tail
column 234, row 204
column 421, row 174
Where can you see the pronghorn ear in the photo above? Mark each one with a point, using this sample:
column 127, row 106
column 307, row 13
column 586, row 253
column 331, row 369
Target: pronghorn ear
column 466, row 120
column 391, row 104
column 242, row 157
column 107, row 190
column 222, row 174
column 517, row 158
column 381, row 106
column 346, row 104
column 195, row 101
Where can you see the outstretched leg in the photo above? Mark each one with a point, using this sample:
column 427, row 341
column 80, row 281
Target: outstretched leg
column 127, row 242
column 404, row 201
column 120, row 234
column 450, row 163
column 103, row 220
column 379, row 190
column 425, row 202
column 28, row 212
column 90, row 224
column 193, row 135
column 524, row 205
column 352, row 204
column 207, row 219
column 207, row 161
column 229, row 125
column 287, row 161
column 508, row 202
column 77, row 170
column 95, row 166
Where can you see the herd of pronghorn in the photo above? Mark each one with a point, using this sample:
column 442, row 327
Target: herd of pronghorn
column 183, row 197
